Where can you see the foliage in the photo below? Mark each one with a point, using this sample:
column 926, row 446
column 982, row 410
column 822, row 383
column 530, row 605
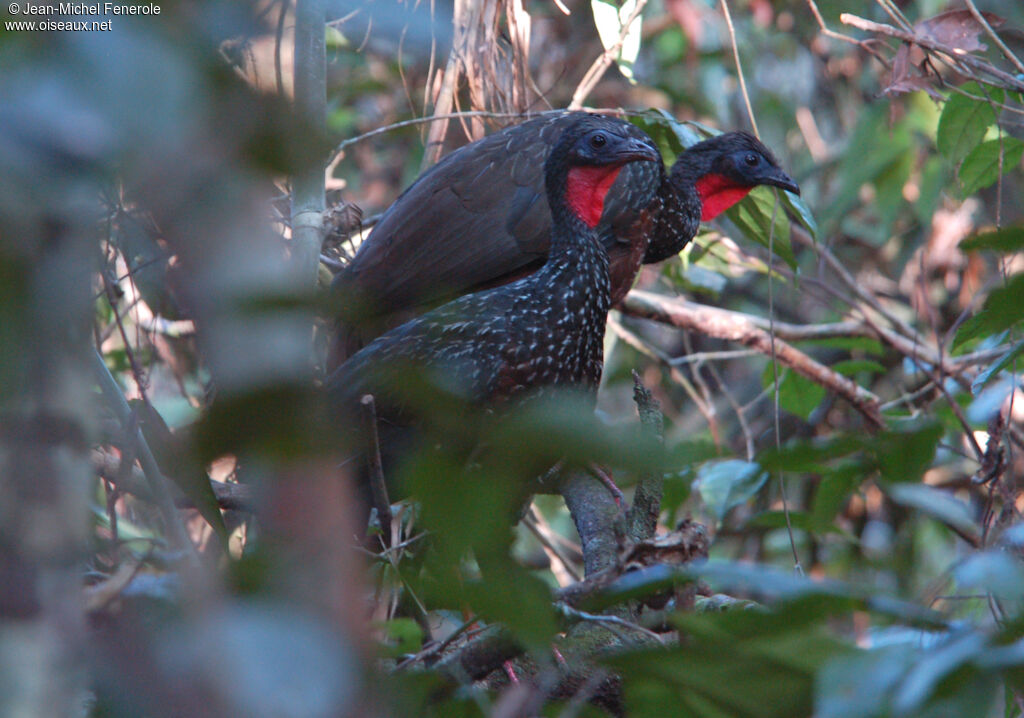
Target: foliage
column 202, row 535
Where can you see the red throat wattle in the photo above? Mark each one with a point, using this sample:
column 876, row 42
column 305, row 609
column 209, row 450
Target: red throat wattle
column 586, row 190
column 717, row 194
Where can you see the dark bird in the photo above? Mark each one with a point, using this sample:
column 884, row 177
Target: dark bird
column 478, row 219
column 500, row 347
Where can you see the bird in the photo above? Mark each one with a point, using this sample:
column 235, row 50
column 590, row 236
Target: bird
column 505, row 346
column 478, row 219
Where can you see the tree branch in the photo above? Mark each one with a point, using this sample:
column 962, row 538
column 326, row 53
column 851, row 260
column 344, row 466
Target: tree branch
column 734, row 326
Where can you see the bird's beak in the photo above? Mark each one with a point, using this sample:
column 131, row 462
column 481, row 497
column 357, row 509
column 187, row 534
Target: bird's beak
column 777, row 178
column 633, row 149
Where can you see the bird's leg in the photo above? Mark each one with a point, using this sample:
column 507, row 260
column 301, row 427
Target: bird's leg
column 511, row 672
column 605, row 477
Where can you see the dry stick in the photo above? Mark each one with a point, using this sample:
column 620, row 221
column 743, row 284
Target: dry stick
column 604, row 61
column 1008, row 80
column 377, row 486
column 538, row 528
column 864, row 45
column 805, row 239
column 739, row 67
column 894, row 12
column 733, row 326
column 643, row 516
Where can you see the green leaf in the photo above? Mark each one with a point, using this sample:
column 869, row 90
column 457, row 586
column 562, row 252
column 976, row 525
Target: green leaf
column 994, row 572
column 797, row 394
column 809, row 455
column 997, row 366
column 906, row 450
column 981, row 167
column 723, row 485
column 403, row 635
column 1008, row 240
column 852, row 367
column 1003, row 308
column 834, row 493
column 795, row 203
column 935, row 503
column 777, row 520
column 753, row 216
column 841, row 681
column 962, row 125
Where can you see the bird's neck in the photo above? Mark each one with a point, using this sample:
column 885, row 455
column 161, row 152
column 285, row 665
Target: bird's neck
column 693, row 176
column 577, row 264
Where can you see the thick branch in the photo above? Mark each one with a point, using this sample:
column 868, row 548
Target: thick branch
column 310, row 101
column 594, row 511
column 643, row 516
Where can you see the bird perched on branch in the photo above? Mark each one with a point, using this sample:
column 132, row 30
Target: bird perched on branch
column 478, row 219
column 501, row 346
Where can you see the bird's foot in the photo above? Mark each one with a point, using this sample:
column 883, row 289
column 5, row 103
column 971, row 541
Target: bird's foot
column 605, row 477
column 510, row 672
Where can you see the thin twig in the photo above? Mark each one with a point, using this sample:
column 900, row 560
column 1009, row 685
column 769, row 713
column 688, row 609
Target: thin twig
column 538, row 527
column 1007, row 53
column 378, row 488
column 341, row 146
column 1008, row 80
column 739, row 66
column 608, row 621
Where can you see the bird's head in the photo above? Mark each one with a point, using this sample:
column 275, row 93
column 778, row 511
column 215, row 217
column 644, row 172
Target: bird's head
column 587, row 159
column 726, row 167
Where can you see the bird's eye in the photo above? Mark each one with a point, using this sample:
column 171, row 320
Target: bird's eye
column 750, row 159
column 598, row 140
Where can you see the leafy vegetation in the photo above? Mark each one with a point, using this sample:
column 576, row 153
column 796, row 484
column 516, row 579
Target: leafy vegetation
column 838, row 473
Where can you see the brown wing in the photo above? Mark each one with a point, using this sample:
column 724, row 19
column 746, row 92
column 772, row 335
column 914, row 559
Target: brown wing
column 476, row 216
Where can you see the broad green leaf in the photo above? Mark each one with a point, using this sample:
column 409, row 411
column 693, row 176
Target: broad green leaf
column 724, row 485
column 852, row 367
column 963, row 125
column 809, row 455
column 753, row 216
column 834, row 493
column 935, row 503
column 610, row 20
column 1003, row 308
column 996, row 572
column 981, row 166
column 404, row 636
column 906, row 449
column 1008, row 240
column 800, row 210
column 840, row 685
column 797, row 394
column 934, row 666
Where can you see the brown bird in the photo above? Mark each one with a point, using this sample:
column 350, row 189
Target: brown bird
column 500, row 347
column 477, row 219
